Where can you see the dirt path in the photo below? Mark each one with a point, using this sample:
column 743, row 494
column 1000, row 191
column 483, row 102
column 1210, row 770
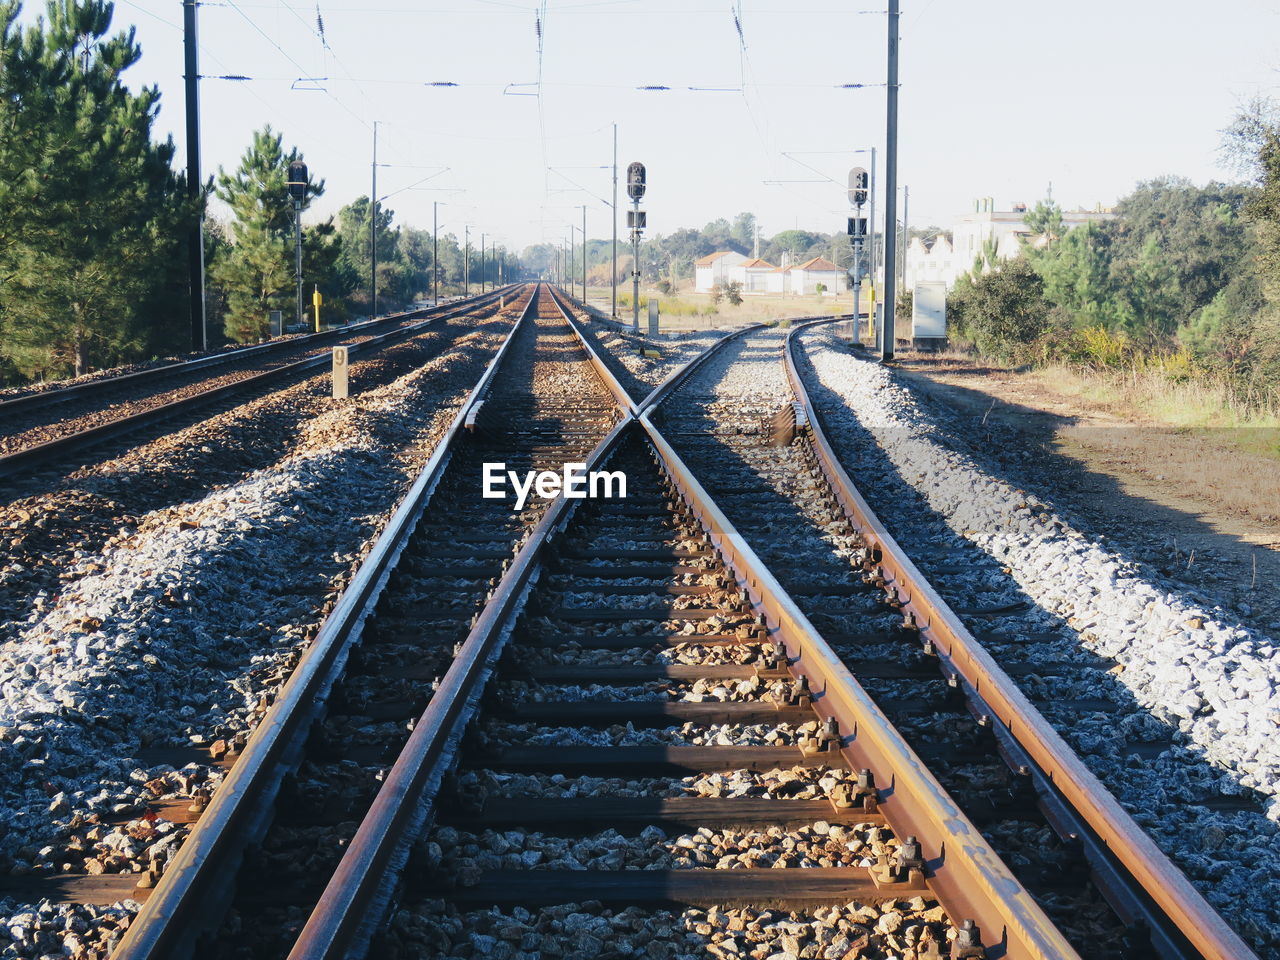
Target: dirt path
column 1201, row 511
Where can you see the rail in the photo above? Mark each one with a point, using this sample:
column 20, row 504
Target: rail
column 27, row 457
column 970, row 878
column 1075, row 800
column 56, row 394
column 192, row 893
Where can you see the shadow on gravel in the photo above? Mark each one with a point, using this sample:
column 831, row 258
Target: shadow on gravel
column 54, row 515
column 1212, row 825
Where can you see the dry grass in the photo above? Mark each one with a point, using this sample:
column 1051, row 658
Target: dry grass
column 1193, row 436
column 1194, row 405
column 696, row 311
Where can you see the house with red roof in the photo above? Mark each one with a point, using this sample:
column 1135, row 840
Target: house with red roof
column 753, row 275
column 714, row 269
column 806, row 277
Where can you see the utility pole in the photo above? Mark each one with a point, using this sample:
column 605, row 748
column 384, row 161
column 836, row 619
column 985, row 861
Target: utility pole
column 615, row 222
column 891, row 181
column 636, row 179
column 297, row 187
column 482, row 263
column 373, row 229
column 906, row 233
column 858, row 183
column 435, row 252
column 466, row 261
column 195, row 239
column 871, row 249
column 584, row 254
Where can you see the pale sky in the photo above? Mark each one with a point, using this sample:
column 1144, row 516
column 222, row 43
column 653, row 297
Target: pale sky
column 999, row 98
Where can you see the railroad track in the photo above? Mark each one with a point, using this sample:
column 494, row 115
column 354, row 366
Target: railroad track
column 452, row 552
column 641, row 691
column 50, row 426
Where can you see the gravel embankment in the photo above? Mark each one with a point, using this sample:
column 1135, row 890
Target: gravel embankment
column 1181, row 670
column 170, row 634
column 34, row 426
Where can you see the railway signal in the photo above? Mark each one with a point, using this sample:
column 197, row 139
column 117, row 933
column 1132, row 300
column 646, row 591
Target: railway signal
column 635, row 180
column 297, row 186
column 858, row 182
column 636, row 221
column 858, row 188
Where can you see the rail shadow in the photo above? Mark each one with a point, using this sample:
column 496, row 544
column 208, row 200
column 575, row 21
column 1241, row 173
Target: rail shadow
column 1199, row 812
column 61, row 513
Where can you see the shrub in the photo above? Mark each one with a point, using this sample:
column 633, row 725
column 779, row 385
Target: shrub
column 733, row 293
column 1006, row 313
column 904, row 305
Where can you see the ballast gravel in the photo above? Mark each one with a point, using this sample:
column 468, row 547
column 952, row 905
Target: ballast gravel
column 590, row 931
column 1180, row 668
column 173, row 636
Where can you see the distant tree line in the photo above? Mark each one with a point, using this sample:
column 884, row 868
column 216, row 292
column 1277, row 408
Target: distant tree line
column 669, row 258
column 94, row 217
column 1185, row 277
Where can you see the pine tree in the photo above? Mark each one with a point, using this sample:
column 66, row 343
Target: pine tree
column 256, row 274
column 91, row 214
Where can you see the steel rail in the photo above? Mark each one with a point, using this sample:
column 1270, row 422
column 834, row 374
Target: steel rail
column 355, row 901
column 356, row 898
column 614, row 386
column 55, row 395
column 1087, row 807
column 19, row 460
column 969, row 878
column 980, row 885
column 682, row 373
column 194, row 890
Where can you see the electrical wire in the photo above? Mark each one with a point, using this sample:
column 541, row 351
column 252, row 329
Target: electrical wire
column 302, row 70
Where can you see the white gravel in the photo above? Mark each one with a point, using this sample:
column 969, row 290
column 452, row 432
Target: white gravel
column 172, row 633
column 1191, row 670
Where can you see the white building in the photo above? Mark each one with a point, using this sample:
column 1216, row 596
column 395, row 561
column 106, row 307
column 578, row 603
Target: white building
column 1007, row 229
column 929, row 263
column 806, row 277
column 778, row 280
column 752, row 274
column 714, row 268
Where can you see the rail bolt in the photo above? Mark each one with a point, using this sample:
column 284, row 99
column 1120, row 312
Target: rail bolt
column 910, row 862
column 865, row 791
column 968, row 942
column 828, row 739
column 800, row 694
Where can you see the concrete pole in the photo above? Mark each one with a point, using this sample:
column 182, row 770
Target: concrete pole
column 297, row 251
column 635, row 270
column 615, row 222
column 373, row 229
column 891, row 183
column 872, row 186
column 195, row 239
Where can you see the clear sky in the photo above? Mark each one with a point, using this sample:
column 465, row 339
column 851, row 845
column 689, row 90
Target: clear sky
column 999, row 98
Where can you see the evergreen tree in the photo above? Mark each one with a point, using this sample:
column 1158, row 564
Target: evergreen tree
column 256, row 275
column 395, row 281
column 92, row 217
